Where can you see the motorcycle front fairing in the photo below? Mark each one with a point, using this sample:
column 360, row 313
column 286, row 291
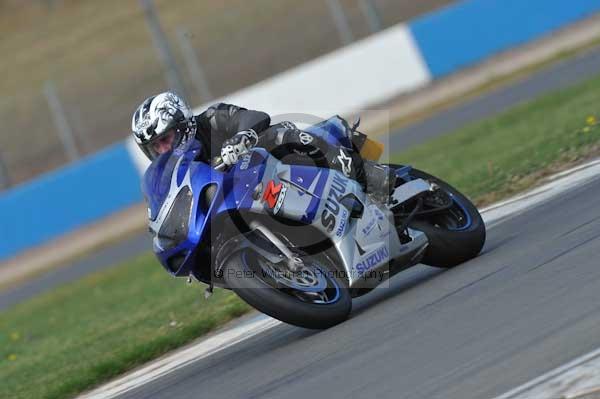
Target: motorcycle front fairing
column 183, row 196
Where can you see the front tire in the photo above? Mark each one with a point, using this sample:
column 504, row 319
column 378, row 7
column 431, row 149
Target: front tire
column 247, row 276
column 455, row 236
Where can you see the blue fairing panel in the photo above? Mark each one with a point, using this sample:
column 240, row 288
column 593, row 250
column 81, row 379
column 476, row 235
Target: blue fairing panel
column 231, row 191
column 332, row 130
column 156, row 182
column 313, row 180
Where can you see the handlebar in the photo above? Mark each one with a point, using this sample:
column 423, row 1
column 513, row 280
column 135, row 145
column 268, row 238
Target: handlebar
column 218, row 164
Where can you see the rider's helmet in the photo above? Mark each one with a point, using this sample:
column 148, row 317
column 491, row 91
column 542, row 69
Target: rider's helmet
column 162, row 119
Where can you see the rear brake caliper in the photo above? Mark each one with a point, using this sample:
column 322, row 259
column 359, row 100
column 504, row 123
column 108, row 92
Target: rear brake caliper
column 436, row 198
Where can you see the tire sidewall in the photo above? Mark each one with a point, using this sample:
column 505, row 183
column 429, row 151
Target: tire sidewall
column 448, row 248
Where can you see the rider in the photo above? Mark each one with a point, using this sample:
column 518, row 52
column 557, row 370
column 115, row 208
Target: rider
column 164, row 122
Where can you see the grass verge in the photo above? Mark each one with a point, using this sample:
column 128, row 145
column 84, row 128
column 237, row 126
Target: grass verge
column 505, row 154
column 86, row 332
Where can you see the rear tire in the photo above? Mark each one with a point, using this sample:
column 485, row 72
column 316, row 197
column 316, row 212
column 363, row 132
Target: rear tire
column 243, row 277
column 449, row 247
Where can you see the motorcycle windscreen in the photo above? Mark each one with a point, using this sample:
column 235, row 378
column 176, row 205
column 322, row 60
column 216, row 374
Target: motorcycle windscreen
column 156, row 183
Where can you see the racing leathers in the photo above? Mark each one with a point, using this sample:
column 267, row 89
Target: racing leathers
column 223, row 128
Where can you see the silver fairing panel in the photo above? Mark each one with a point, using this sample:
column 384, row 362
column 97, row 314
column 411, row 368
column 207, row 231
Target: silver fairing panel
column 365, row 245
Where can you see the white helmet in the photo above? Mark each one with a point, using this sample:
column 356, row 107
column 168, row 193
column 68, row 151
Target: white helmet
column 157, row 116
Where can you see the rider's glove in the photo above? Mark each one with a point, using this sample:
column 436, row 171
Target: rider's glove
column 239, row 144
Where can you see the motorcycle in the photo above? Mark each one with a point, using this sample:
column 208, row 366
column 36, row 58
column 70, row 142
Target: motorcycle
column 298, row 242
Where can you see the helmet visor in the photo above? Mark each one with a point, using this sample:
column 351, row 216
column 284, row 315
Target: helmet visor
column 162, row 144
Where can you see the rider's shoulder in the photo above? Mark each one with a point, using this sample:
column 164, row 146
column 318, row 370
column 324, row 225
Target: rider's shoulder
column 221, row 107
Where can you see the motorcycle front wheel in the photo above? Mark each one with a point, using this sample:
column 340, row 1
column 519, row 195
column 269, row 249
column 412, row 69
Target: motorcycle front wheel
column 314, row 296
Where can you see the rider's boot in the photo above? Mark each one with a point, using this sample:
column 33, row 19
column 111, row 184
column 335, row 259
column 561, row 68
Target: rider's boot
column 376, row 179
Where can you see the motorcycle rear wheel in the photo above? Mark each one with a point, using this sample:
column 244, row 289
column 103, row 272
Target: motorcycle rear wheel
column 455, row 235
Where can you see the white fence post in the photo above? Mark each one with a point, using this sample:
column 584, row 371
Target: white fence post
column 371, row 14
column 65, row 133
column 341, row 21
column 193, row 66
column 163, row 48
column 4, row 177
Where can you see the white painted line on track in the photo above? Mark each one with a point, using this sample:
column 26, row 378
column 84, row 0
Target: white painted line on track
column 183, row 357
column 557, row 184
column 567, row 381
column 492, row 215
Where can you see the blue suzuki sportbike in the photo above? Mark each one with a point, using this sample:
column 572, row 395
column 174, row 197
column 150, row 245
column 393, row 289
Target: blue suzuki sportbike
column 299, row 241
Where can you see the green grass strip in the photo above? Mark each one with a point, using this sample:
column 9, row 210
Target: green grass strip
column 86, row 332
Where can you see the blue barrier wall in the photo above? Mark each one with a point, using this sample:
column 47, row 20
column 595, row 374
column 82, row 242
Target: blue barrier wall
column 62, row 201
column 469, row 31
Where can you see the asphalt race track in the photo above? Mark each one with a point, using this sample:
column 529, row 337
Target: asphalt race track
column 526, row 305
column 559, row 75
